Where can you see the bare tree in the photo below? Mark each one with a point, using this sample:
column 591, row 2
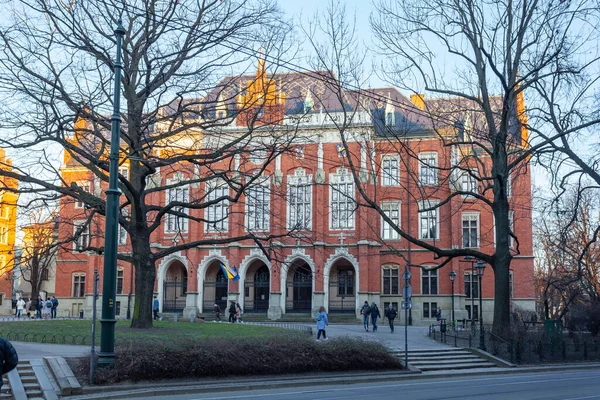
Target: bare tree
column 569, row 258
column 40, row 246
column 495, row 53
column 177, row 156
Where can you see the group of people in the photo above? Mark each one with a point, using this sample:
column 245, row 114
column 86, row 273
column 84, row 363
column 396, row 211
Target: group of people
column 367, row 311
column 372, row 312
column 235, row 312
column 38, row 308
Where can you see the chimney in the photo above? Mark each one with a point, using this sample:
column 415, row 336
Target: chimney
column 418, row 100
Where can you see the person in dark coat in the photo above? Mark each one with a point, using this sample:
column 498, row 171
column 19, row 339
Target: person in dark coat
column 391, row 315
column 232, row 312
column 39, row 305
column 8, row 357
column 374, row 315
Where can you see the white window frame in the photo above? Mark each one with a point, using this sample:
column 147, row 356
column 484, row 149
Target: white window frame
column 124, row 170
column 341, row 193
column 390, row 208
column 470, row 216
column 122, row 233
column 84, row 240
column 390, row 268
column 509, row 185
column 4, row 234
column 430, row 273
column 258, row 196
column 217, row 215
column 468, row 183
column 428, row 173
column 74, row 293
column 86, row 186
column 173, row 223
column 299, row 182
column 122, row 277
column 391, row 177
column 429, row 204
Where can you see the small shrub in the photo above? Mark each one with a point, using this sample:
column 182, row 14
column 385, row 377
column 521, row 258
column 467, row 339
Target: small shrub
column 187, row 358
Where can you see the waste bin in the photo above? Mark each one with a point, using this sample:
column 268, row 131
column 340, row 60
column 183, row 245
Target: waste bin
column 443, row 325
column 81, row 314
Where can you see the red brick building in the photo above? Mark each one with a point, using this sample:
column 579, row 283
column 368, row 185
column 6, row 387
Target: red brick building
column 341, row 255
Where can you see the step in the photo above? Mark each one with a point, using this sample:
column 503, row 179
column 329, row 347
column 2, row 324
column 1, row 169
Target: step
column 434, row 367
column 31, row 385
column 443, row 358
column 28, row 379
column 449, row 362
column 34, row 393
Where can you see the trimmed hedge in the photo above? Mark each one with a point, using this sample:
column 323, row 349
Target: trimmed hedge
column 187, row 358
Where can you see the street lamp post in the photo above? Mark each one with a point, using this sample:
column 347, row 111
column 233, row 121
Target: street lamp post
column 472, row 261
column 106, row 356
column 452, row 278
column 480, row 267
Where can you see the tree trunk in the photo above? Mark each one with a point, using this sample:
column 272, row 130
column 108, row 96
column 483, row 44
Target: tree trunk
column 501, row 326
column 145, row 275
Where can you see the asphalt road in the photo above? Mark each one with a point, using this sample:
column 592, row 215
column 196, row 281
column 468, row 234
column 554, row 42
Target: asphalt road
column 572, row 385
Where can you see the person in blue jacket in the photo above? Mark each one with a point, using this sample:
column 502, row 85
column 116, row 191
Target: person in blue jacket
column 322, row 322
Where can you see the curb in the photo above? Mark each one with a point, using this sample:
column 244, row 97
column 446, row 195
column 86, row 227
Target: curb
column 123, row 392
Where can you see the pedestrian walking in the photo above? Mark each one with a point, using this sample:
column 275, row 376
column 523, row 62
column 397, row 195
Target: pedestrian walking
column 374, row 315
column 238, row 313
column 391, row 315
column 155, row 307
column 54, row 307
column 47, row 308
column 39, row 305
column 8, row 358
column 322, row 322
column 365, row 311
column 438, row 315
column 28, row 307
column 217, row 313
column 20, row 307
column 232, row 312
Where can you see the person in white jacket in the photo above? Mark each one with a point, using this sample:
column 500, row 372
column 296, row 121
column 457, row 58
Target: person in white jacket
column 20, row 307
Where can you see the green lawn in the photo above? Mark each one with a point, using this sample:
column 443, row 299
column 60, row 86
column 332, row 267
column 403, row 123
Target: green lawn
column 80, row 331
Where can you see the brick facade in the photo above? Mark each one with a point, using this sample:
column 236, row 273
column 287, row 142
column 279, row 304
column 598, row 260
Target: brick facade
column 323, row 265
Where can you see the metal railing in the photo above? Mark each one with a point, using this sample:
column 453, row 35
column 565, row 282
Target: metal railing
column 530, row 347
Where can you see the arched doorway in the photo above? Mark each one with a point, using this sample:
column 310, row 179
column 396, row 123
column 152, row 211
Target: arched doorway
column 215, row 288
column 299, row 288
column 342, row 287
column 257, row 288
column 175, row 288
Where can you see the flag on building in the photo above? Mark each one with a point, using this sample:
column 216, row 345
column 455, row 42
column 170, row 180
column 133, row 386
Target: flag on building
column 226, row 271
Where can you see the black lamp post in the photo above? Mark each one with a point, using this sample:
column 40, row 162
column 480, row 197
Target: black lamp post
column 452, row 278
column 480, row 268
column 106, row 356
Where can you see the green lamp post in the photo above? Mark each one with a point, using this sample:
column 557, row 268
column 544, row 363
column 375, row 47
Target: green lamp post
column 106, row 356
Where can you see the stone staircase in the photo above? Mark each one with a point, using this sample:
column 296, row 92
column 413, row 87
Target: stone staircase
column 22, row 383
column 29, row 380
column 445, row 359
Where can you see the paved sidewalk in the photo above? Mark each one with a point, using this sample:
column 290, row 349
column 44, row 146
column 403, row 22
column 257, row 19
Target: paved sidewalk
column 417, row 336
column 36, row 351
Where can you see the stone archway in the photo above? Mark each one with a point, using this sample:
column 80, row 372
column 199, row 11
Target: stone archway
column 347, row 259
column 214, row 287
column 288, row 268
column 299, row 288
column 342, row 287
column 163, row 268
column 174, row 288
column 257, row 287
